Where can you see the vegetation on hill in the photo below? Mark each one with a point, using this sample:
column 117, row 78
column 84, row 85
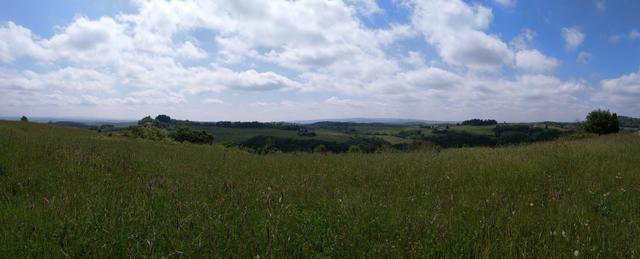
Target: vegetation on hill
column 67, row 192
column 479, row 122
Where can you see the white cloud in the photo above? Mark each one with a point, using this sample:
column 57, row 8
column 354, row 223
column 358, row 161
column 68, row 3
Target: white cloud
column 17, row 41
column 188, row 50
column 621, row 94
column 213, row 101
column 505, row 3
column 634, row 34
column 69, row 78
column 584, row 58
column 456, row 30
column 524, row 40
column 534, row 61
column 430, row 78
column 154, row 58
column 365, row 7
column 573, row 37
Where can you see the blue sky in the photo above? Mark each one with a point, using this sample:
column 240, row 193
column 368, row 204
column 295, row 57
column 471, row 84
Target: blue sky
column 511, row 60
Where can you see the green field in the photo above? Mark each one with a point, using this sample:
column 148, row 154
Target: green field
column 68, row 192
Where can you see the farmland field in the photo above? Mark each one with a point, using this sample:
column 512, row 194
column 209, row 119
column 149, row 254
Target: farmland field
column 67, row 192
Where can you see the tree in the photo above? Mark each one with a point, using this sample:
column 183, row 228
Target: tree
column 602, row 122
column 184, row 133
column 146, row 121
column 163, row 118
column 24, row 118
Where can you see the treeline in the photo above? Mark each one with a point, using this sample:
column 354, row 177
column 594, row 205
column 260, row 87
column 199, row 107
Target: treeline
column 479, row 122
column 628, row 122
column 505, row 134
column 269, row 144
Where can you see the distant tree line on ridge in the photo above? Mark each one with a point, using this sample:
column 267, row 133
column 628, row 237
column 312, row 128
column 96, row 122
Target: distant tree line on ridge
column 479, row 122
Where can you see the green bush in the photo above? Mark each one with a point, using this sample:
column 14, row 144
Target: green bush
column 151, row 133
column 184, row 133
column 602, row 122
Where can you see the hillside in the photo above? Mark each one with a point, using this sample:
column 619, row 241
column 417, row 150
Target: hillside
column 68, row 192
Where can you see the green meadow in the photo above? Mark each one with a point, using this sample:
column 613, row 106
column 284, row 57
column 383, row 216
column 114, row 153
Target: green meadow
column 68, row 192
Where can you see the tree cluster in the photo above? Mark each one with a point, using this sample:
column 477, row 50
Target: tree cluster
column 184, row 133
column 479, row 122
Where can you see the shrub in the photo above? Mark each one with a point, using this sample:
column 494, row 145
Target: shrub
column 24, row 119
column 184, row 133
column 151, row 133
column 602, row 122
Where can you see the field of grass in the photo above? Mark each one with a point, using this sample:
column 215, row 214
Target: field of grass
column 68, row 192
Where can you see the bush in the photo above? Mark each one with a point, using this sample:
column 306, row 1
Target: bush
column 184, row 133
column 24, row 119
column 151, row 133
column 602, row 122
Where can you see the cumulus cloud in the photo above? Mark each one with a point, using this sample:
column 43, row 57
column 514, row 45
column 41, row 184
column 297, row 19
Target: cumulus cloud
column 621, row 93
column 534, row 61
column 573, row 37
column 153, row 57
column 17, row 41
column 457, row 30
column 69, row 78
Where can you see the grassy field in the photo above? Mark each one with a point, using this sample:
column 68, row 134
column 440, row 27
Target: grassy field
column 74, row 193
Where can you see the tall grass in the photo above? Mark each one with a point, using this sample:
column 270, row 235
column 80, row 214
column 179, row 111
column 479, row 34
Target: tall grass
column 73, row 193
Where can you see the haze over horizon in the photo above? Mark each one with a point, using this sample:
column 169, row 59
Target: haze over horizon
column 241, row 60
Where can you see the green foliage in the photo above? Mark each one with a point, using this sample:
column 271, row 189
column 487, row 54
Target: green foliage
column 602, row 122
column 147, row 121
column 320, row 149
column 67, row 192
column 24, row 119
column 163, row 118
column 354, row 149
column 479, row 122
column 150, row 133
column 185, row 133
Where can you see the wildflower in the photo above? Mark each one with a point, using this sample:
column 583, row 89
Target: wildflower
column 576, row 253
column 531, row 204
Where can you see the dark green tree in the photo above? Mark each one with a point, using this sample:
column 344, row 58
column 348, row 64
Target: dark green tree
column 602, row 122
column 184, row 133
column 146, row 121
column 24, row 118
column 163, row 118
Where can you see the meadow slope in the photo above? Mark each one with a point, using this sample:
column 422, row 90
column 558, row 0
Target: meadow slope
column 71, row 192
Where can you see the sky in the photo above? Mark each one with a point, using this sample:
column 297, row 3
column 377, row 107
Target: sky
column 286, row 60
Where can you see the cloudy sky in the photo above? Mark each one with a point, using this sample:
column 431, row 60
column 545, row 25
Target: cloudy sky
column 511, row 60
